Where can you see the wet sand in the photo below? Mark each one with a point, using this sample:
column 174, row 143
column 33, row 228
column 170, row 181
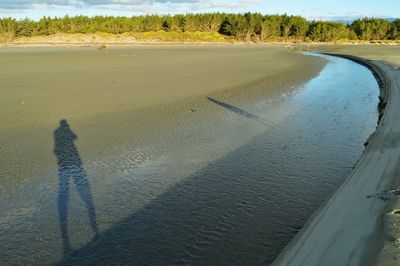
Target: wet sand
column 235, row 186
column 100, row 92
column 149, row 88
column 359, row 224
column 154, row 95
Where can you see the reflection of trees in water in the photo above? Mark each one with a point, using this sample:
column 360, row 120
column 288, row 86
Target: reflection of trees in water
column 70, row 167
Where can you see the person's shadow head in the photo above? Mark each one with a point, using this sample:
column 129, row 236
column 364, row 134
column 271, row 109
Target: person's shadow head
column 64, row 147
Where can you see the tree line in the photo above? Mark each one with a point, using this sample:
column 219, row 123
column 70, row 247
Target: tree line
column 245, row 27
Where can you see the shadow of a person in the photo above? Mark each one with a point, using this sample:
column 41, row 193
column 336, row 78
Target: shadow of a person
column 70, row 167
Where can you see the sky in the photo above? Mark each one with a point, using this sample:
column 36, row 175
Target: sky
column 310, row 9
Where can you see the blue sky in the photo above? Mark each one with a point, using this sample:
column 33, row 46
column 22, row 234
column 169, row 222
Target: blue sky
column 311, row 9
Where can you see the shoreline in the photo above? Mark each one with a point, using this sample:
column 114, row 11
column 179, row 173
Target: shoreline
column 350, row 227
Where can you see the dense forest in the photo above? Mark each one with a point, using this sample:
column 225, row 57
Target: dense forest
column 246, row 27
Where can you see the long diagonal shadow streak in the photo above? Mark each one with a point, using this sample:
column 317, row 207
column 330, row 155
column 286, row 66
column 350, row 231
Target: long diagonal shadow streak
column 242, row 112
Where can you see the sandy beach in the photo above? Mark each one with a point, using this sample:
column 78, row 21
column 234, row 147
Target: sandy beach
column 149, row 88
column 139, row 114
column 359, row 224
column 195, row 132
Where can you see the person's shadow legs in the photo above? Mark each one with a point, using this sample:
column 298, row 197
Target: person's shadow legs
column 63, row 198
column 85, row 193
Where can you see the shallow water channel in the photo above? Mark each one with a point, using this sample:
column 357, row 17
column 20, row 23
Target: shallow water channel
column 233, row 189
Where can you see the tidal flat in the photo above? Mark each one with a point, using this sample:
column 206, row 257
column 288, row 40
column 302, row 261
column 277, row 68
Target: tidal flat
column 134, row 91
column 172, row 154
column 127, row 107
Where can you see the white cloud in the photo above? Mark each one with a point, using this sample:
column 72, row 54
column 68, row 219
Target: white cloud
column 35, row 9
column 28, row 4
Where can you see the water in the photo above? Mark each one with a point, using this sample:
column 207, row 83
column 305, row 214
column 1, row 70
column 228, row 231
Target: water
column 233, row 189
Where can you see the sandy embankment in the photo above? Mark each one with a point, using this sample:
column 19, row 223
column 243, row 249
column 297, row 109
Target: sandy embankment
column 351, row 229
